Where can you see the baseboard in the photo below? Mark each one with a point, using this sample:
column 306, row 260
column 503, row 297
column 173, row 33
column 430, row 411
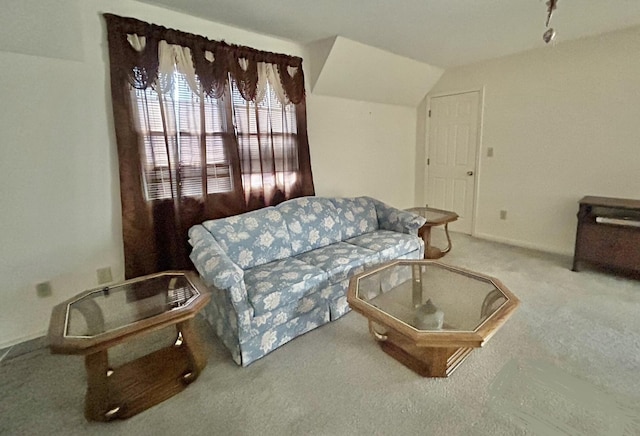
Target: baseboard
column 21, row 339
column 522, row 244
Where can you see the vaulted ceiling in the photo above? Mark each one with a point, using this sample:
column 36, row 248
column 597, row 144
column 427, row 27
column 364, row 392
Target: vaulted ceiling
column 442, row 33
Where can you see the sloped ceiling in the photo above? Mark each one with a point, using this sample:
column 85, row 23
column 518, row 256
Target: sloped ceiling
column 392, row 52
column 444, row 33
column 347, row 69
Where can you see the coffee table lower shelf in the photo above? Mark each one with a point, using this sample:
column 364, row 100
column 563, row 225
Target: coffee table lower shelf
column 427, row 361
column 140, row 384
column 427, row 315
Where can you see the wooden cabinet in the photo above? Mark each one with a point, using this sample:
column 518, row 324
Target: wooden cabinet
column 608, row 234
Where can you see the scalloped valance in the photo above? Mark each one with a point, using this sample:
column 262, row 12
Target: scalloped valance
column 148, row 53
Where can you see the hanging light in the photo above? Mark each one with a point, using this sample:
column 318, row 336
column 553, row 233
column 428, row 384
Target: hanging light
column 550, row 33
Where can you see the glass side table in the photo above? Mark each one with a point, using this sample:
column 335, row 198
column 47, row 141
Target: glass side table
column 96, row 320
column 435, row 217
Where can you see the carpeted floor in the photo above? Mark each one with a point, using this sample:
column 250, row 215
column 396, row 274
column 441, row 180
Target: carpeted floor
column 566, row 363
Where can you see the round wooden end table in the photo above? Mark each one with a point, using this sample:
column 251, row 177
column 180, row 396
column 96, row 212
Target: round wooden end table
column 435, row 217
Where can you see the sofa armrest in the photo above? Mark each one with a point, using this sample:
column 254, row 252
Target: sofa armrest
column 215, row 267
column 391, row 218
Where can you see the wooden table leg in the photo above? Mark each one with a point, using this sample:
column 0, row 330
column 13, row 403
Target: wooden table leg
column 446, row 232
column 425, row 233
column 194, row 349
column 431, row 252
column 97, row 407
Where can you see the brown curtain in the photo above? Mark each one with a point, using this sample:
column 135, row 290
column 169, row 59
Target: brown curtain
column 204, row 130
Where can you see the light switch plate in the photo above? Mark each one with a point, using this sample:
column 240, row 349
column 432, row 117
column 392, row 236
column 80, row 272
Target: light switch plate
column 44, row 289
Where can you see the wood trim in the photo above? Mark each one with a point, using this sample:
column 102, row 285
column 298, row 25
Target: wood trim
column 619, row 203
column 60, row 344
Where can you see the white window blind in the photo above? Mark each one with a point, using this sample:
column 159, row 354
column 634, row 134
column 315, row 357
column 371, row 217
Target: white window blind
column 266, row 136
column 267, row 139
column 170, row 125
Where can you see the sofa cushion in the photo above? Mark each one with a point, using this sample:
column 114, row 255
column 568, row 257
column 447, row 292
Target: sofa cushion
column 312, row 222
column 253, row 238
column 357, row 216
column 339, row 260
column 281, row 282
column 388, row 244
column 212, row 262
column 390, row 218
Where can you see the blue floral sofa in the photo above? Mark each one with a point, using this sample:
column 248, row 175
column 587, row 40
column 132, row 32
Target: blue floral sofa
column 279, row 272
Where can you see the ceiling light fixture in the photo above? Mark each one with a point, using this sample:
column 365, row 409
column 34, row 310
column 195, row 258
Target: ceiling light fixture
column 550, row 34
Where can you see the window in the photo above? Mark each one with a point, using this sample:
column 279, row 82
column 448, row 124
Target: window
column 185, row 158
column 266, row 136
column 267, row 140
column 173, row 147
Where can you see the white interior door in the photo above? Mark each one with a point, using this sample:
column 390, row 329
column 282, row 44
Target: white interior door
column 453, row 145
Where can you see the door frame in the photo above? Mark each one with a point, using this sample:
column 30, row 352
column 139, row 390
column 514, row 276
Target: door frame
column 480, row 121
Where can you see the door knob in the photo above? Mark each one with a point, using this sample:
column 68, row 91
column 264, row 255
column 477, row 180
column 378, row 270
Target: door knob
column 469, row 173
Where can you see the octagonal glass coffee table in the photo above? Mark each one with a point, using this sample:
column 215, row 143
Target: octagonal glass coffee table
column 428, row 315
column 96, row 320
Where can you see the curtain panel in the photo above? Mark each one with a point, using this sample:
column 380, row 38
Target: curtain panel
column 204, row 130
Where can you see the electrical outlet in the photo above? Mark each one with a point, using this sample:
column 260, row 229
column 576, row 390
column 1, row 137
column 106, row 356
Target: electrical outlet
column 104, row 275
column 44, row 289
column 503, row 214
column 490, row 152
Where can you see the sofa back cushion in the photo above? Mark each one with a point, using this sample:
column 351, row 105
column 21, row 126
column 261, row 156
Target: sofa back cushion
column 252, row 238
column 312, row 222
column 356, row 215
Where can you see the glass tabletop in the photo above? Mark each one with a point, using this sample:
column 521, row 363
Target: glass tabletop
column 434, row 215
column 110, row 308
column 431, row 297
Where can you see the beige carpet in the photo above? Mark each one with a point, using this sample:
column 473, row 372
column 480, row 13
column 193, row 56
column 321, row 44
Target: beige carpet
column 566, row 363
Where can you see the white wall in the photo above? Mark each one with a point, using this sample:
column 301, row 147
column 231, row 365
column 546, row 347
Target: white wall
column 362, row 148
column 361, row 72
column 60, row 218
column 564, row 122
